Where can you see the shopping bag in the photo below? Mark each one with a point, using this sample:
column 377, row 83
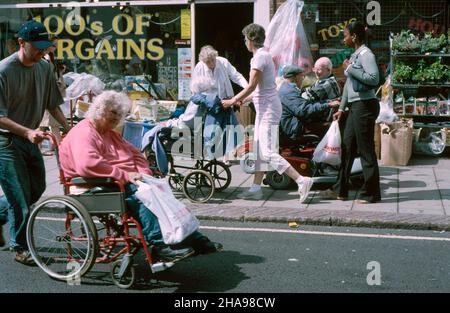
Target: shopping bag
column 175, row 219
column 329, row 149
column 396, row 142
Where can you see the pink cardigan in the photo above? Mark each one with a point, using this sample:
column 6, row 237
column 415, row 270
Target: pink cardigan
column 85, row 152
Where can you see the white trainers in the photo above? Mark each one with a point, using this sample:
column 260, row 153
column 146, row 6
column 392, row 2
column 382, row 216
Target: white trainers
column 304, row 187
column 248, row 195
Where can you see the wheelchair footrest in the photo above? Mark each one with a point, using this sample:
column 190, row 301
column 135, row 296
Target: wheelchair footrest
column 127, row 261
column 161, row 266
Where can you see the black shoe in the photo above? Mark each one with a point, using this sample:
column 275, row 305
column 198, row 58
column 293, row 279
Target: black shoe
column 206, row 246
column 166, row 254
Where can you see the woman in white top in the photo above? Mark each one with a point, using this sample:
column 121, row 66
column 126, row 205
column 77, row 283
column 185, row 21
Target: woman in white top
column 220, row 71
column 268, row 115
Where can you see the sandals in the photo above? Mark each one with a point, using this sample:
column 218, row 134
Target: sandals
column 24, row 257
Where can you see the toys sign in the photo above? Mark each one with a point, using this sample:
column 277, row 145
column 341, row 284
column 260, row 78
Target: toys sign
column 373, row 18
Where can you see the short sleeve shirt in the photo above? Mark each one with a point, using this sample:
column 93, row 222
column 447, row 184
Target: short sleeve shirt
column 262, row 61
column 265, row 97
column 26, row 92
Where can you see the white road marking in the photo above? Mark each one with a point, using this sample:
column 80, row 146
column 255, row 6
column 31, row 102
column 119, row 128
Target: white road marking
column 304, row 232
column 321, row 233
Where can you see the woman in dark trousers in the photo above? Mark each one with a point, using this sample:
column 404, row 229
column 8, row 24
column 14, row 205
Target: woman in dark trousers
column 362, row 74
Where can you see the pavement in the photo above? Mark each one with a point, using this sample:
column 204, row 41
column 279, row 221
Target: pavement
column 416, row 196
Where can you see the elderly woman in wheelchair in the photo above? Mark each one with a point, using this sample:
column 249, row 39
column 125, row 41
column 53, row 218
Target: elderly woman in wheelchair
column 93, row 149
column 99, row 219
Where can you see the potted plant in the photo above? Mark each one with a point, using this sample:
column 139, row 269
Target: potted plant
column 405, row 42
column 402, row 73
column 429, row 43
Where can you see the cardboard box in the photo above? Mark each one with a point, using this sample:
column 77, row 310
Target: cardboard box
column 396, row 142
column 377, row 140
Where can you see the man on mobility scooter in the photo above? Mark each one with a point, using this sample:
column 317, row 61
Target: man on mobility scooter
column 304, row 118
column 298, row 111
column 94, row 149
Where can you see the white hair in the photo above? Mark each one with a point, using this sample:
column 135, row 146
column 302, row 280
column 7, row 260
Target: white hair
column 207, row 53
column 201, row 84
column 109, row 100
column 326, row 62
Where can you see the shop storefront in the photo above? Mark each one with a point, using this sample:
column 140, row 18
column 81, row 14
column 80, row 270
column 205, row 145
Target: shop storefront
column 158, row 38
column 418, row 61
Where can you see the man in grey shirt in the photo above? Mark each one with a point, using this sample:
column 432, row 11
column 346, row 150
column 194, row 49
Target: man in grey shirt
column 27, row 88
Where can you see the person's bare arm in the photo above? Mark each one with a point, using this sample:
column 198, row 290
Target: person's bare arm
column 59, row 116
column 34, row 136
column 255, row 77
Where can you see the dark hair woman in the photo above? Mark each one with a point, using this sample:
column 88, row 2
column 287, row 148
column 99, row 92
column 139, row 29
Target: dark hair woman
column 263, row 92
column 363, row 109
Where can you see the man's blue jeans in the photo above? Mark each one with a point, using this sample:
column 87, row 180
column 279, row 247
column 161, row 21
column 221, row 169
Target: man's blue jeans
column 22, row 178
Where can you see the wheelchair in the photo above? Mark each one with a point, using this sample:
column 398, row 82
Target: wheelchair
column 203, row 179
column 68, row 234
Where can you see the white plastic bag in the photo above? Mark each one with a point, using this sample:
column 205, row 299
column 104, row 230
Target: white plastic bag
column 286, row 38
column 83, row 84
column 175, row 220
column 329, row 149
column 387, row 114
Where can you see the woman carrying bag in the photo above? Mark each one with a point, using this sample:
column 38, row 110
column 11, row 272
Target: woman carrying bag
column 360, row 98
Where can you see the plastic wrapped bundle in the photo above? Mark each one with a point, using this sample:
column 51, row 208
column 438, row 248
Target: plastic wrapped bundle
column 286, row 38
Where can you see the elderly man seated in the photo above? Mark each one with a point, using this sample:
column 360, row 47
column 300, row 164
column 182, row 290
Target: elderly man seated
column 326, row 87
column 298, row 111
column 93, row 149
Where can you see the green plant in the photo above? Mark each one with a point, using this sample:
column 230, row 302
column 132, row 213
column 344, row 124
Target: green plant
column 405, row 42
column 431, row 44
column 402, row 72
column 420, row 74
column 434, row 73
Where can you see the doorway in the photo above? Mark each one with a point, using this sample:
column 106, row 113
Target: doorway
column 220, row 25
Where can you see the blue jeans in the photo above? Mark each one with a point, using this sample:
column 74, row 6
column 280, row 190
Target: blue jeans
column 22, row 178
column 4, row 205
column 149, row 221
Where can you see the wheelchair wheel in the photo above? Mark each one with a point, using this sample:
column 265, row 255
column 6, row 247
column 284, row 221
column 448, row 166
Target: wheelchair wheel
column 62, row 238
column 277, row 181
column 176, row 182
column 247, row 163
column 198, row 186
column 128, row 278
column 220, row 173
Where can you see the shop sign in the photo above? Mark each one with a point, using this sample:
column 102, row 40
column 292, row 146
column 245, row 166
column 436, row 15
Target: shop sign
column 182, row 42
column 425, row 26
column 185, row 24
column 121, row 49
column 340, row 57
column 334, row 30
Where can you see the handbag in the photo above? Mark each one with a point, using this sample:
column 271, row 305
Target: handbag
column 175, row 220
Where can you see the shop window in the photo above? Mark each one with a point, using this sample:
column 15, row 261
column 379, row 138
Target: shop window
column 114, row 42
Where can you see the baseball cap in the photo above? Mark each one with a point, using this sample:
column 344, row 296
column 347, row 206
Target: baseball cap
column 35, row 33
column 291, row 71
